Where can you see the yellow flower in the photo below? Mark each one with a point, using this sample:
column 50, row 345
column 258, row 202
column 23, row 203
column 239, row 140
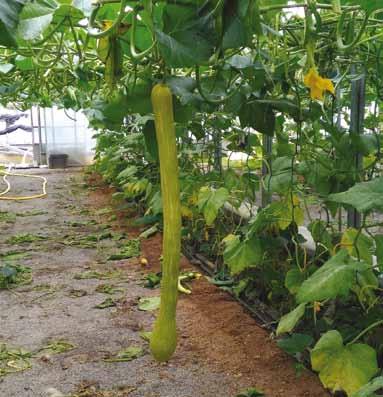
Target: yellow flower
column 317, row 84
column 317, row 307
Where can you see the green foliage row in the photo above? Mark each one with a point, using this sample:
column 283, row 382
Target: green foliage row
column 242, row 73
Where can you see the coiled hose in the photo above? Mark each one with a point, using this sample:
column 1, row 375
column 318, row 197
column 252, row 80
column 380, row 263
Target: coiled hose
column 8, row 188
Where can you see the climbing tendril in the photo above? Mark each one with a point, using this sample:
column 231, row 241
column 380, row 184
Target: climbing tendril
column 339, row 40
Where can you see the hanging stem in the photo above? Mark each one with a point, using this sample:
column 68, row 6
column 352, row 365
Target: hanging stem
column 134, row 53
column 114, row 25
column 340, row 43
column 365, row 331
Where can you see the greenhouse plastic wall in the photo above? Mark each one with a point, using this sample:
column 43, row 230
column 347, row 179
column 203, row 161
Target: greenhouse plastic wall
column 67, row 132
column 55, row 131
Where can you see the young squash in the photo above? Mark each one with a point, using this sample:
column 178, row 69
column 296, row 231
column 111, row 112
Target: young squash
column 163, row 341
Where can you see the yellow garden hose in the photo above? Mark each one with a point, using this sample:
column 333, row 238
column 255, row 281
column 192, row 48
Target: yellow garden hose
column 5, row 174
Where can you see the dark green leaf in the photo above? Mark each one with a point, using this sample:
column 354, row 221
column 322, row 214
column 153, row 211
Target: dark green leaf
column 296, row 343
column 364, row 196
column 9, row 18
column 335, row 278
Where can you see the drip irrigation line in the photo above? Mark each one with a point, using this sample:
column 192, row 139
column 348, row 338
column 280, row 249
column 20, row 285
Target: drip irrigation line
column 266, row 319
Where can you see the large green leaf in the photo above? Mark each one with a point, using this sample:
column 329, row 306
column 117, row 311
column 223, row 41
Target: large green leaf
column 210, row 201
column 38, row 8
column 361, row 246
column 294, row 279
column 368, row 5
column 138, row 101
column 184, row 49
column 9, row 18
column 288, row 322
column 282, row 105
column 296, row 343
column 335, row 278
column 24, row 63
column 358, row 244
column 30, row 29
column 126, row 174
column 364, row 196
column 186, row 39
column 150, row 137
column 318, row 230
column 69, row 12
column 240, row 255
column 35, row 17
column 281, row 177
column 343, row 368
column 258, row 116
column 183, row 88
column 238, row 24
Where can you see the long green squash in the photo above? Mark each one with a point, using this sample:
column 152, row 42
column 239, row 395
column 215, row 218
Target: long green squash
column 163, row 341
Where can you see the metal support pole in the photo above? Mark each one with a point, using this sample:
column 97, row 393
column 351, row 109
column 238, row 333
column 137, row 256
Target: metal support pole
column 267, row 147
column 358, row 102
column 339, row 126
column 217, row 139
column 42, row 159
column 45, row 131
column 35, row 160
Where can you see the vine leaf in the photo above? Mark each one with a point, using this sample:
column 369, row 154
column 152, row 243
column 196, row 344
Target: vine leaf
column 368, row 5
column 258, row 116
column 282, row 176
column 9, row 19
column 335, row 278
column 239, row 255
column 35, row 18
column 293, row 280
column 296, row 343
column 358, row 244
column 184, row 48
column 364, row 245
column 343, row 368
column 210, row 201
column 288, row 322
column 364, row 196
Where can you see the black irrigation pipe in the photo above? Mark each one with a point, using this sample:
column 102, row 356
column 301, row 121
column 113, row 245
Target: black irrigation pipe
column 263, row 315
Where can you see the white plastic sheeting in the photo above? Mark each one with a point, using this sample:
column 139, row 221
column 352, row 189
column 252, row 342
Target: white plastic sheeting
column 67, row 132
column 55, row 131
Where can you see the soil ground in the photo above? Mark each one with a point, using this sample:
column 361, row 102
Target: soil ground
column 221, row 351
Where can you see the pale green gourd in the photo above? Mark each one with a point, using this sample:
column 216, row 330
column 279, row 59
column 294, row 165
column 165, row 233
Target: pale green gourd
column 163, row 341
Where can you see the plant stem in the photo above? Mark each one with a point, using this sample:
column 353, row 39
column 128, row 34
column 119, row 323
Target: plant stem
column 369, row 328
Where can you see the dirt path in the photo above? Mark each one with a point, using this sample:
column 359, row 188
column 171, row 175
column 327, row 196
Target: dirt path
column 67, row 340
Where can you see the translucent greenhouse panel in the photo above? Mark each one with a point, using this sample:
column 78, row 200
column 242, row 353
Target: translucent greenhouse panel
column 67, row 132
